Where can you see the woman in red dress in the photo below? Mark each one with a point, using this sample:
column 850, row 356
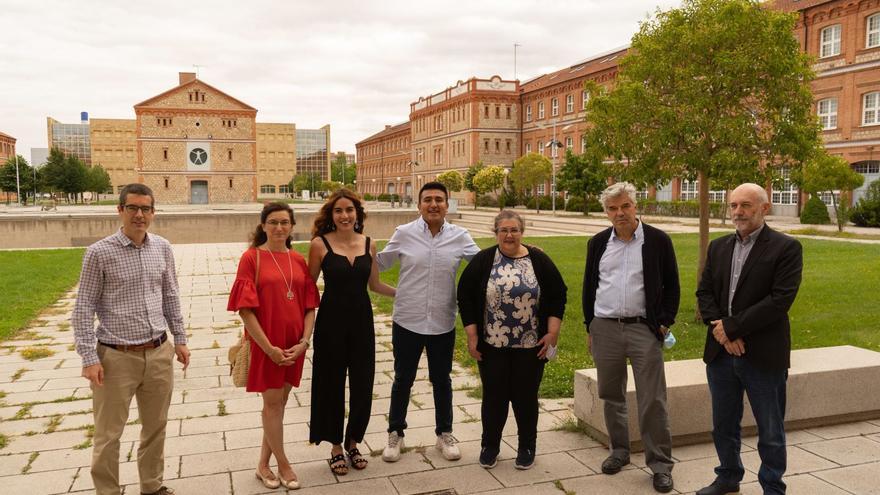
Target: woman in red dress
column 279, row 314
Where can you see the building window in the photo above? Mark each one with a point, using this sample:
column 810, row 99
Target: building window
column 497, row 111
column 872, row 167
column 486, row 145
column 569, row 143
column 486, row 111
column 166, row 182
column 689, row 190
column 871, row 109
column 554, row 106
column 583, row 145
column 508, row 111
column 827, row 197
column 641, row 194
column 540, row 189
column 830, row 41
column 528, row 147
column 165, row 155
column 569, row 103
column 873, row 39
column 541, row 147
column 585, row 98
column 230, row 183
column 827, row 111
column 267, row 189
column 529, row 112
column 786, row 193
column 284, row 189
column 229, row 154
column 540, row 110
column 497, row 146
column 507, row 146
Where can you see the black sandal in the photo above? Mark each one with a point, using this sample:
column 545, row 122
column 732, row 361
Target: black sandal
column 357, row 460
column 335, row 466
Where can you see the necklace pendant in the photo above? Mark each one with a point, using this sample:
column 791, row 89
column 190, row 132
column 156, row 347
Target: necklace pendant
column 289, row 295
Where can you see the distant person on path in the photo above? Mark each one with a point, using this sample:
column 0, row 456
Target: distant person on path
column 430, row 250
column 512, row 301
column 345, row 341
column 749, row 283
column 276, row 299
column 630, row 299
column 128, row 281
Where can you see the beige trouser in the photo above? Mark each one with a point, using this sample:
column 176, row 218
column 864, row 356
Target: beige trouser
column 149, row 375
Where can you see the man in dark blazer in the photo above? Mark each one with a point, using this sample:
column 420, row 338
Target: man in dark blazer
column 749, row 283
column 630, row 299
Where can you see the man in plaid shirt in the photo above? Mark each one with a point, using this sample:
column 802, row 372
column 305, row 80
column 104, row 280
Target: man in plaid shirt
column 128, row 280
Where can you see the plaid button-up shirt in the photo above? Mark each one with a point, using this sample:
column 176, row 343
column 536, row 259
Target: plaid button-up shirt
column 133, row 291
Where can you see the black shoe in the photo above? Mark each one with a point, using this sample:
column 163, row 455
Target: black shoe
column 488, row 458
column 719, row 487
column 613, row 465
column 663, row 482
column 525, row 459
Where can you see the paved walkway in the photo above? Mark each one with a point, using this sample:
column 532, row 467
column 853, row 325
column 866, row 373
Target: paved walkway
column 214, row 429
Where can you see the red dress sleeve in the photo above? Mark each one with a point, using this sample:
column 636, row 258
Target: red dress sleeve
column 311, row 297
column 244, row 293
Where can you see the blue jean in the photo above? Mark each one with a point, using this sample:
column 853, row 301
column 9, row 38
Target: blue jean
column 407, row 352
column 729, row 377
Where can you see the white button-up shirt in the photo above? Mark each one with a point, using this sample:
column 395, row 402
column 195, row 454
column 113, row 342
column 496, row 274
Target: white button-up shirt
column 621, row 291
column 425, row 301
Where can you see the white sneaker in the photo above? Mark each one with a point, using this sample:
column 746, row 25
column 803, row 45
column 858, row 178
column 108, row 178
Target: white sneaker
column 446, row 444
column 392, row 450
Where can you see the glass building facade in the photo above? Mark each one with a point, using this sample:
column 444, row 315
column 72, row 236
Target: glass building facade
column 313, row 151
column 72, row 139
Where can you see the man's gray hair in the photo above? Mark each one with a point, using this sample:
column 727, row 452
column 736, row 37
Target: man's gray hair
column 616, row 190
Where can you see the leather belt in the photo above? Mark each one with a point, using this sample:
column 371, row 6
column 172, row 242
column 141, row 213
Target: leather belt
column 139, row 347
column 628, row 319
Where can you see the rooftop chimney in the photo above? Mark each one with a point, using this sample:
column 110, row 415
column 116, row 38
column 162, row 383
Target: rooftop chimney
column 186, row 77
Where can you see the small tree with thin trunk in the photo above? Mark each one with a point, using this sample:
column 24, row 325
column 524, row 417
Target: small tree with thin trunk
column 489, row 180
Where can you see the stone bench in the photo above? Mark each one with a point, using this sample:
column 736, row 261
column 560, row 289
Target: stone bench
column 827, row 385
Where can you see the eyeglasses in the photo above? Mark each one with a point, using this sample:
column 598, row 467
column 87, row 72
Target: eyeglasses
column 133, row 209
column 275, row 223
column 509, row 231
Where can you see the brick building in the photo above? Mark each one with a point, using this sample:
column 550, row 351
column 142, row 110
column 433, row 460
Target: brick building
column 7, row 151
column 192, row 144
column 844, row 38
column 384, row 164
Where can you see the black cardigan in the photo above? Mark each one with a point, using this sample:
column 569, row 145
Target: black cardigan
column 475, row 279
column 662, row 290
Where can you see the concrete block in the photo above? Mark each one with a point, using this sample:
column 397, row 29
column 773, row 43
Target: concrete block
column 826, row 386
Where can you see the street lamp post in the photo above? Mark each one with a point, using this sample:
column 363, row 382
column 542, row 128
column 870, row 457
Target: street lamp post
column 412, row 187
column 17, row 181
column 558, row 144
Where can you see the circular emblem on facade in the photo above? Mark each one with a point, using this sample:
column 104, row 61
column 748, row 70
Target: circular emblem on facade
column 198, row 156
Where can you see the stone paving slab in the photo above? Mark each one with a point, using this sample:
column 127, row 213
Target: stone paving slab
column 214, row 431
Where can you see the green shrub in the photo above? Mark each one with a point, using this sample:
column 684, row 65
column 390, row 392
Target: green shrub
column 509, row 199
column 866, row 213
column 815, row 212
column 679, row 208
column 545, row 202
column 576, row 203
column 486, row 200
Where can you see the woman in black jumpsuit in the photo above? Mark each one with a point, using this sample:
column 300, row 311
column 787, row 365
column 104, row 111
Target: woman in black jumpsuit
column 344, row 337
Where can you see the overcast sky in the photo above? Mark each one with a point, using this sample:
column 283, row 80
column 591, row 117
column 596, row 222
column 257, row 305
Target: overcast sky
column 356, row 65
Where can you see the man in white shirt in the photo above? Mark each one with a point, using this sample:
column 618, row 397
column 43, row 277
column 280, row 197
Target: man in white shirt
column 430, row 250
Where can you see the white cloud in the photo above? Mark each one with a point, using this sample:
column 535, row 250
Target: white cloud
column 353, row 64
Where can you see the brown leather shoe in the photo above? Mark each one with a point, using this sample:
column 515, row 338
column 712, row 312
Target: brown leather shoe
column 163, row 490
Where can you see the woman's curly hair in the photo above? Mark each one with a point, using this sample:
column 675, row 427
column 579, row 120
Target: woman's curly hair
column 324, row 219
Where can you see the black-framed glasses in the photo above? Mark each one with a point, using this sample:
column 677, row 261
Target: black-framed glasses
column 133, row 209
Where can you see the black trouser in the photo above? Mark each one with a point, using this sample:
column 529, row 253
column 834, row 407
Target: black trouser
column 510, row 376
column 337, row 351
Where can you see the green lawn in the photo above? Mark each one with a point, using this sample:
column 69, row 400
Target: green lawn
column 32, row 280
column 836, row 303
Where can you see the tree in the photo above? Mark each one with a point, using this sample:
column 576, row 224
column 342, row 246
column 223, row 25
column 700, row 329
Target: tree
column 308, row 181
column 583, row 176
column 452, row 179
column 331, row 186
column 489, row 179
column 469, row 180
column 8, row 183
column 716, row 89
column 65, row 173
column 341, row 172
column 98, row 180
column 528, row 171
column 829, row 173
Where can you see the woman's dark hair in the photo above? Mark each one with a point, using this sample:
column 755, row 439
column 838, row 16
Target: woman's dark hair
column 259, row 237
column 324, row 219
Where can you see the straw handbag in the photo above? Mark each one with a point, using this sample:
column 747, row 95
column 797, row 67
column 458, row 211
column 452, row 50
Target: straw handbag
column 240, row 353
